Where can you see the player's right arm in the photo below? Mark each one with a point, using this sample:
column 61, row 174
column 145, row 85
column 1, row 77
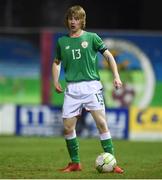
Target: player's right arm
column 56, row 73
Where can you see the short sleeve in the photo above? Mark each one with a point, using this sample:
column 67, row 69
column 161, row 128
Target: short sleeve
column 98, row 43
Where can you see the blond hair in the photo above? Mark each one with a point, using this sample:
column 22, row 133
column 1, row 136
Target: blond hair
column 76, row 11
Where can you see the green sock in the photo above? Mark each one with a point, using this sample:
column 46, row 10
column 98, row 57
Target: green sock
column 107, row 146
column 73, row 149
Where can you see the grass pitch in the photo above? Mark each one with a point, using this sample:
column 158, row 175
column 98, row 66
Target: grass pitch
column 41, row 157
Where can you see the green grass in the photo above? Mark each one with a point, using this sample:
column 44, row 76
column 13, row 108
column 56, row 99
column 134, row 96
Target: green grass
column 40, row 157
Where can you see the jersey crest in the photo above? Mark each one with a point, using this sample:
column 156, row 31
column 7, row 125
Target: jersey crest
column 84, row 44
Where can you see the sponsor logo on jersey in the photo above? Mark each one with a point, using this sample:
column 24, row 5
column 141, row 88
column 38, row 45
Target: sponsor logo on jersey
column 84, row 44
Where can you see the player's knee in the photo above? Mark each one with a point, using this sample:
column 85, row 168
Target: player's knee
column 68, row 129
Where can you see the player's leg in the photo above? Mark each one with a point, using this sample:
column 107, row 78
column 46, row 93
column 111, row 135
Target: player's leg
column 72, row 144
column 96, row 105
column 71, row 112
column 71, row 139
column 105, row 136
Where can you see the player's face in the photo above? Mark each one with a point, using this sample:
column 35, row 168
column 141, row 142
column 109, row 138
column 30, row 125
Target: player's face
column 74, row 24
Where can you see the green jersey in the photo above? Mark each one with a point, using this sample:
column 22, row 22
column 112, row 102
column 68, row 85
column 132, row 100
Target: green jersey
column 79, row 56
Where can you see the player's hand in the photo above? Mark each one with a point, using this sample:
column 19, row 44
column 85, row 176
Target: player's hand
column 117, row 83
column 58, row 87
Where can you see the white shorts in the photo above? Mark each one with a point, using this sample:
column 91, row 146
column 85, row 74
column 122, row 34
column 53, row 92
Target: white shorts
column 86, row 94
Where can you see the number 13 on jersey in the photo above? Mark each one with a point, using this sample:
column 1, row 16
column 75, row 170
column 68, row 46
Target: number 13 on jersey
column 76, row 53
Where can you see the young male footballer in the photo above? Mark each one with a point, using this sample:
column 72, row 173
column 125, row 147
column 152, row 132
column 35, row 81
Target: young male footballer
column 77, row 52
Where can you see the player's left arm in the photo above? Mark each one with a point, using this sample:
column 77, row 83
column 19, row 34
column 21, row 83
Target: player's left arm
column 110, row 59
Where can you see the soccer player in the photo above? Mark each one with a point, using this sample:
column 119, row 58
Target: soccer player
column 77, row 51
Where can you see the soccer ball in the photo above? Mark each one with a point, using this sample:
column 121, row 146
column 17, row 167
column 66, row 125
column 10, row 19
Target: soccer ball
column 105, row 162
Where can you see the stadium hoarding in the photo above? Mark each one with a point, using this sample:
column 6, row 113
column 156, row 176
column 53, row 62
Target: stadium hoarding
column 145, row 124
column 47, row 121
column 38, row 120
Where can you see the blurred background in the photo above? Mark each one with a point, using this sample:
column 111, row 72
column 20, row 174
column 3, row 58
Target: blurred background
column 132, row 31
column 111, row 14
